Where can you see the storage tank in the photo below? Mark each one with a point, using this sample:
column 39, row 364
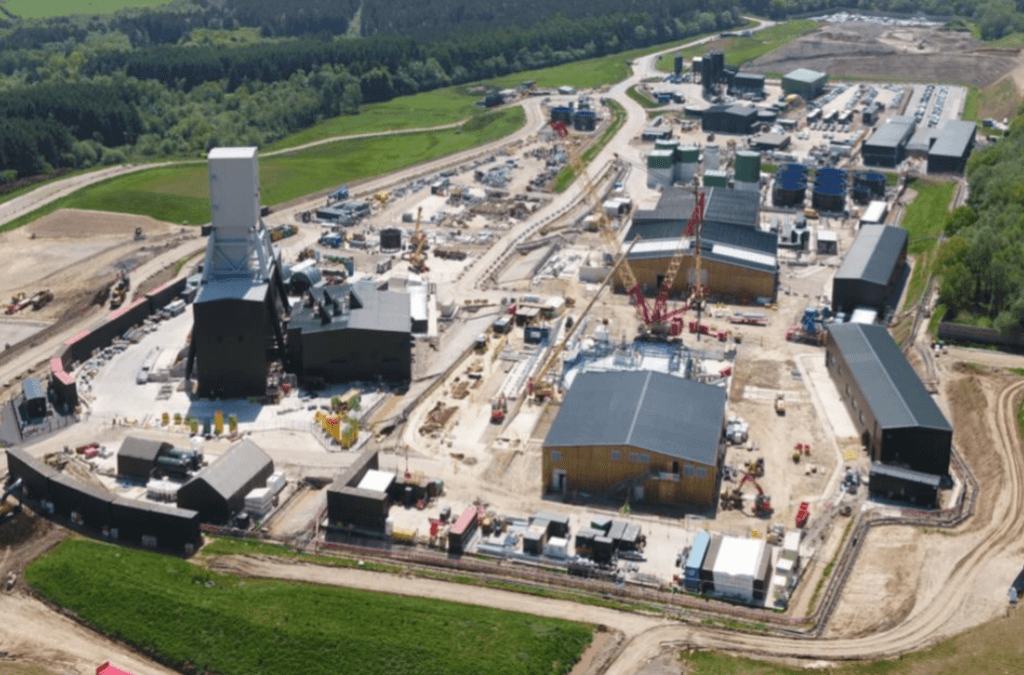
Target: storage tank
column 829, row 198
column 791, row 176
column 711, row 157
column 789, row 193
column 748, row 166
column 665, row 144
column 829, row 171
column 793, row 167
column 871, row 181
column 391, row 239
column 659, row 169
column 688, row 154
column 677, row 64
column 713, row 178
column 686, row 159
column 584, row 120
column 830, row 180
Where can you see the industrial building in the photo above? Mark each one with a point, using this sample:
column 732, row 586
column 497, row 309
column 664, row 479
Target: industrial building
column 729, row 567
column 770, row 142
column 949, row 152
column 351, row 332
column 218, row 491
column 899, row 422
column 659, row 437
column 737, row 259
column 745, row 83
column 871, row 271
column 807, row 83
column 35, row 399
column 888, row 144
column 729, row 119
column 137, row 457
column 237, row 314
column 358, row 499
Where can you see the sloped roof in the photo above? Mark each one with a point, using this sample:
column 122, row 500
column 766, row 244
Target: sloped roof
column 892, row 388
column 954, row 140
column 368, row 309
column 908, row 475
column 142, row 448
column 873, row 255
column 647, row 410
column 234, row 469
column 804, row 75
column 892, row 134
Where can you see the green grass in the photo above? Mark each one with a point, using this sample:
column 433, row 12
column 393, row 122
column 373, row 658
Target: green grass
column 935, row 320
column 768, row 167
column 971, row 104
column 642, row 99
column 827, row 572
column 234, row 626
column 926, row 216
column 427, row 109
column 180, row 194
column 741, row 50
column 891, row 179
column 1017, row 371
column 33, row 9
column 567, row 175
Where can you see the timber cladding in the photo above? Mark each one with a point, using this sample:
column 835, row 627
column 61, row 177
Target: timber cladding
column 595, row 469
column 722, row 278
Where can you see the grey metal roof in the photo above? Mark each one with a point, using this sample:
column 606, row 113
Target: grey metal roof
column 892, row 134
column 742, row 111
column 238, row 465
column 722, row 205
column 369, row 309
column 32, row 388
column 142, row 448
column 232, row 289
column 647, row 410
column 892, row 388
column 954, row 140
column 746, row 75
column 908, row 475
column 874, row 254
column 805, row 75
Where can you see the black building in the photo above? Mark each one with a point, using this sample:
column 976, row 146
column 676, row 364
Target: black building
column 888, row 145
column 953, row 146
column 898, row 421
column 218, row 491
column 872, row 269
column 155, row 525
column 82, row 503
column 729, row 119
column 712, row 70
column 351, row 332
column 34, row 474
column 137, row 456
column 353, row 501
column 905, row 485
column 747, row 83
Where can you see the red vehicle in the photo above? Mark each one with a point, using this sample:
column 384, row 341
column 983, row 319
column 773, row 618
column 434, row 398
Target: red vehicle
column 802, row 514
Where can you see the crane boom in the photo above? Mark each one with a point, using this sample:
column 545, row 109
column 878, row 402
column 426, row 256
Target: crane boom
column 695, row 225
column 537, row 382
column 417, row 258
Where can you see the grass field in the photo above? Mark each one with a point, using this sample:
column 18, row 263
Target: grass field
column 236, row 626
column 180, row 194
column 924, row 221
column 642, row 99
column 33, row 9
column 427, row 109
column 741, row 50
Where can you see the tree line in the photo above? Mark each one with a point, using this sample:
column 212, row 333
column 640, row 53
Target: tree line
column 982, row 262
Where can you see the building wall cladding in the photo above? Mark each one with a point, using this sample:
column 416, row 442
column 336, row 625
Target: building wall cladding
column 723, row 279
column 348, row 505
column 173, row 527
column 199, row 494
column 732, row 120
column 924, row 450
column 230, row 338
column 872, row 270
column 34, row 474
column 798, row 82
column 91, row 503
column 891, row 487
column 349, row 354
column 595, row 469
column 950, row 151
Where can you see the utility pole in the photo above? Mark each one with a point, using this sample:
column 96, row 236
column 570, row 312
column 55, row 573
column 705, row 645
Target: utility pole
column 698, row 292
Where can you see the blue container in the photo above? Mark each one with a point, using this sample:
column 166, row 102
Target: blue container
column 786, row 168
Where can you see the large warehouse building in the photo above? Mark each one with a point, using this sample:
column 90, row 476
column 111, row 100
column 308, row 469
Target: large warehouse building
column 871, row 271
column 237, row 313
column 952, row 147
column 898, row 421
column 657, row 436
column 888, row 145
column 731, row 119
column 218, row 491
column 737, row 259
column 351, row 332
column 807, row 83
column 359, row 497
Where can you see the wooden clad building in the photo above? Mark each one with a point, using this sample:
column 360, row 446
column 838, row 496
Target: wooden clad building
column 657, row 437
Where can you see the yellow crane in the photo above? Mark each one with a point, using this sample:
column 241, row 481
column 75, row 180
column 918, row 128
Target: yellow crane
column 538, row 385
column 418, row 259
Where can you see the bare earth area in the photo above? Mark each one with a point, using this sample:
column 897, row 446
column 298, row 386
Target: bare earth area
column 866, row 50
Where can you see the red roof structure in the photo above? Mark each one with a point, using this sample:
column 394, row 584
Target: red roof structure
column 107, row 669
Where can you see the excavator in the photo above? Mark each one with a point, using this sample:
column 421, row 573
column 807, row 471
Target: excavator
column 734, row 499
column 13, row 489
column 417, row 258
column 499, row 408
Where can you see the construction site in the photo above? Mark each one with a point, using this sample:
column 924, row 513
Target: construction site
column 673, row 381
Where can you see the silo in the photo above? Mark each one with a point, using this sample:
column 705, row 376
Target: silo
column 828, row 171
column 391, row 239
column 748, row 170
column 585, row 120
column 789, row 193
column 659, row 168
column 716, row 178
column 664, row 144
column 678, row 64
column 795, row 176
column 791, row 167
column 829, row 198
column 830, row 180
column 711, row 157
column 872, row 182
column 687, row 157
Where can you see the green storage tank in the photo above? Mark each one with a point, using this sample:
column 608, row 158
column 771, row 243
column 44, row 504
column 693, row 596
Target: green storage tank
column 716, row 178
column 666, row 145
column 660, row 159
column 748, row 166
column 688, row 154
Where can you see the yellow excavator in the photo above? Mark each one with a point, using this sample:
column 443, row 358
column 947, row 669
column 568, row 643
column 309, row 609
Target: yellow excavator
column 418, row 259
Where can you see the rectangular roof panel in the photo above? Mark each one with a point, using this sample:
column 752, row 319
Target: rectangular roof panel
column 874, row 254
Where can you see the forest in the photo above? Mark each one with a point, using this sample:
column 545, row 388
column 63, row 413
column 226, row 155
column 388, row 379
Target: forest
column 174, row 80
column 982, row 262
